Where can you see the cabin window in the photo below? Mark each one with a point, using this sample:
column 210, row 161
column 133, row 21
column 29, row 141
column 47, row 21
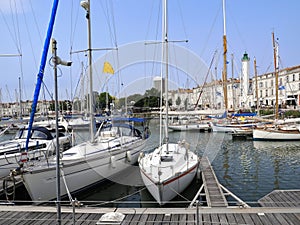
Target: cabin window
column 38, row 135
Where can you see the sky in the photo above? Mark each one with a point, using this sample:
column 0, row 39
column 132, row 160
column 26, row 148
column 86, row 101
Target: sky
column 116, row 23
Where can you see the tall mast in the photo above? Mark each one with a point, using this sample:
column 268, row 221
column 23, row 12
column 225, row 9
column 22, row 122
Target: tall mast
column 165, row 11
column 224, row 73
column 275, row 51
column 256, row 87
column 86, row 5
column 232, row 83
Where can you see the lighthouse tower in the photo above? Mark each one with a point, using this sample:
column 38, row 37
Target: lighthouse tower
column 245, row 80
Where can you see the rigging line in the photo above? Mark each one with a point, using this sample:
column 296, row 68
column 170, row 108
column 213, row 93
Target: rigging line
column 208, row 72
column 181, row 16
column 106, row 14
column 156, row 34
column 73, row 26
column 28, row 33
column 17, row 30
column 205, row 45
column 35, row 20
column 113, row 23
column 7, row 25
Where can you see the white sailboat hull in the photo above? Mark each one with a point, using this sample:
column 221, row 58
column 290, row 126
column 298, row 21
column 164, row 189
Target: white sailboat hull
column 165, row 180
column 275, row 135
column 81, row 172
column 230, row 128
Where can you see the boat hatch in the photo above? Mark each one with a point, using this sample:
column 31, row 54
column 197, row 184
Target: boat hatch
column 166, row 158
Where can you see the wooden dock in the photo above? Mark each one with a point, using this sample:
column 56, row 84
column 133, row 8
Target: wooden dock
column 213, row 192
column 24, row 215
column 281, row 198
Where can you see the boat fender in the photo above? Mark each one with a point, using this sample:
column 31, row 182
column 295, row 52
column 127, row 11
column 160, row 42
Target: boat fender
column 113, row 161
column 142, row 154
column 128, row 156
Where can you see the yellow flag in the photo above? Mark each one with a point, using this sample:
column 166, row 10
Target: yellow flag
column 107, row 68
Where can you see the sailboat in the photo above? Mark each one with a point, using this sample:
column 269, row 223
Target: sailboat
column 171, row 167
column 277, row 132
column 114, row 148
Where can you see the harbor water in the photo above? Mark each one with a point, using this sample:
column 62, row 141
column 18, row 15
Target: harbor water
column 249, row 169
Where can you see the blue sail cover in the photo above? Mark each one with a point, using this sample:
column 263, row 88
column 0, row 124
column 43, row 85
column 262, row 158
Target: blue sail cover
column 41, row 70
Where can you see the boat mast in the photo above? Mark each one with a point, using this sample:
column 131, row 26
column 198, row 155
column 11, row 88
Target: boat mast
column 86, row 5
column 165, row 11
column 275, row 51
column 256, row 87
column 224, row 73
column 20, row 98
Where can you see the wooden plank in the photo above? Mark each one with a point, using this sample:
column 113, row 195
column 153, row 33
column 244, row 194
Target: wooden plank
column 32, row 217
column 158, row 219
column 231, row 218
column 127, row 219
column 206, row 219
column 191, row 219
column 281, row 219
column 256, row 219
column 18, row 218
column 174, row 219
column 214, row 218
column 291, row 218
column 135, row 219
column 247, row 218
column 8, row 217
column 264, row 219
column 272, row 218
column 46, row 218
column 166, row 219
column 182, row 219
column 82, row 218
column 151, row 219
column 143, row 219
column 223, row 219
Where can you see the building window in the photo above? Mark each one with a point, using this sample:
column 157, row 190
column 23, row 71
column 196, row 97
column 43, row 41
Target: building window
column 266, row 93
column 293, row 77
column 272, row 83
column 280, row 81
column 260, row 84
column 299, row 86
column 266, row 84
column 261, row 92
column 272, row 91
column 287, row 78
